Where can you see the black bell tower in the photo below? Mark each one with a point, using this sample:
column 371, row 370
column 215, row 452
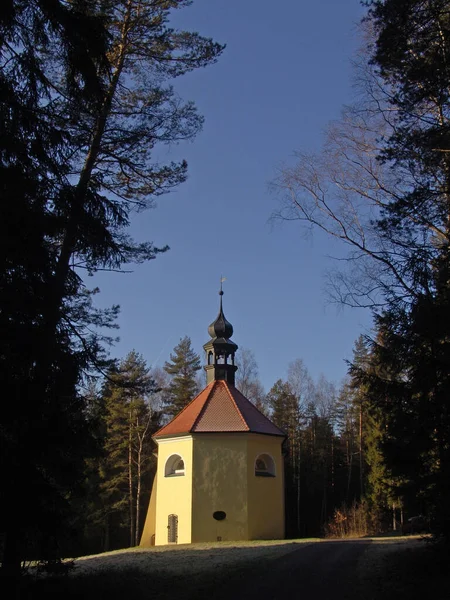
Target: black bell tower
column 220, row 349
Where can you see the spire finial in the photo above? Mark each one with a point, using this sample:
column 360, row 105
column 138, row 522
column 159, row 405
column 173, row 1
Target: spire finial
column 221, row 328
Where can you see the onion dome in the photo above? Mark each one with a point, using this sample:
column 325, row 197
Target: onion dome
column 220, row 328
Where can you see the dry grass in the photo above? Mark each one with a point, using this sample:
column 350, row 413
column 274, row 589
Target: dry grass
column 391, row 568
column 185, row 559
column 185, row 572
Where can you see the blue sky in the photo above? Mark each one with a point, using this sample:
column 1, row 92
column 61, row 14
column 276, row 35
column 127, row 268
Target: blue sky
column 286, row 72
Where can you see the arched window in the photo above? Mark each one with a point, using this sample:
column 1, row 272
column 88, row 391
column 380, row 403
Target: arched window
column 264, row 466
column 174, row 466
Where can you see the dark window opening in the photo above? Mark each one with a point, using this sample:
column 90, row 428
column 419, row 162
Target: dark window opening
column 172, row 529
column 264, row 466
column 260, row 465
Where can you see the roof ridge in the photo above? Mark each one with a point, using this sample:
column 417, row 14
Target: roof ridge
column 183, row 409
column 236, row 406
column 260, row 413
column 256, row 408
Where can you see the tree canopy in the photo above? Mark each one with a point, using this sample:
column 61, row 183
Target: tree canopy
column 85, row 100
column 381, row 185
column 182, row 368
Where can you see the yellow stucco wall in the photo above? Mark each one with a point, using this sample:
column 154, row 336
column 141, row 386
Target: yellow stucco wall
column 265, row 494
column 219, row 484
column 148, row 532
column 174, row 493
column 219, row 476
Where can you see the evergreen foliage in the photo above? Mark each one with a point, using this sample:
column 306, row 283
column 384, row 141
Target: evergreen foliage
column 311, row 451
column 381, row 185
column 376, row 481
column 44, row 434
column 348, row 430
column 183, row 367
column 412, row 349
column 127, row 464
column 84, row 100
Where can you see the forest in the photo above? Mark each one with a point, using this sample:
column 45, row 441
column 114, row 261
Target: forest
column 338, row 482
column 86, row 101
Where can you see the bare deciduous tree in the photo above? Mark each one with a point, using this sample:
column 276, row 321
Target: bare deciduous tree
column 346, row 191
column 247, row 380
column 301, row 383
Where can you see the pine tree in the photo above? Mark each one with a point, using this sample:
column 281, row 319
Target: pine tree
column 381, row 491
column 320, row 460
column 382, row 185
column 411, row 52
column 359, row 400
column 129, row 423
column 377, row 484
column 284, row 408
column 44, row 433
column 347, row 423
column 182, row 368
column 408, row 390
column 310, row 449
column 84, row 99
column 285, row 413
column 111, row 156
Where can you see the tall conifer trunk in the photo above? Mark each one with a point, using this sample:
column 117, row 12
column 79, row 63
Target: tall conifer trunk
column 138, row 498
column 361, row 462
column 130, row 481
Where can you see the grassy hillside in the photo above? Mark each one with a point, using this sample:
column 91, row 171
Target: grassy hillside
column 407, row 567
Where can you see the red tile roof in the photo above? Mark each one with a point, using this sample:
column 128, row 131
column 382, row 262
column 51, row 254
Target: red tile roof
column 220, row 407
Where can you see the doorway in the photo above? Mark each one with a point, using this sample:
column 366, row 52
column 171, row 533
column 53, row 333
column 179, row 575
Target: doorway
column 172, row 529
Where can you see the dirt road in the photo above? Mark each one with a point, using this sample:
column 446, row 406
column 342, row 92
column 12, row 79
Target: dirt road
column 319, row 570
